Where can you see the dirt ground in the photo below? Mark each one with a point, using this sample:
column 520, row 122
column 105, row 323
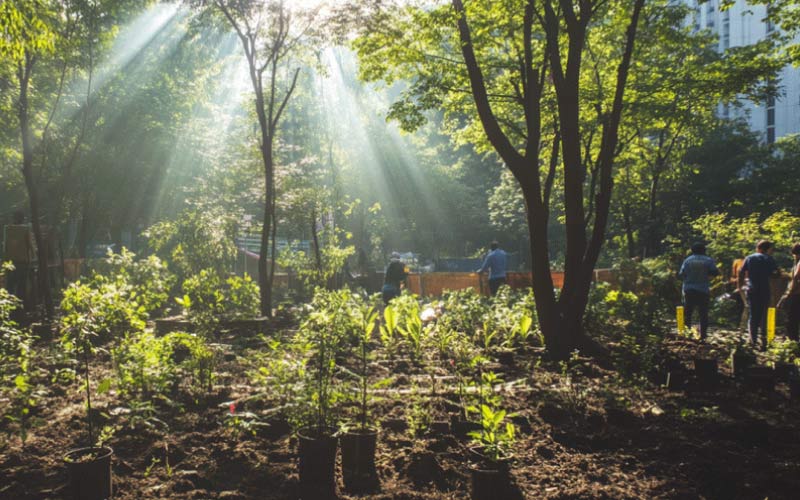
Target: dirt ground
column 582, row 434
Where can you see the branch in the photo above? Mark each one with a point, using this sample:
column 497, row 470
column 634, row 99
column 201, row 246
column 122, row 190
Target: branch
column 608, row 145
column 285, row 99
column 494, row 132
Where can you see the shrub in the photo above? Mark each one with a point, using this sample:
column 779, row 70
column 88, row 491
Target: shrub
column 197, row 239
column 112, row 305
column 207, row 299
column 149, row 278
column 16, row 366
column 147, row 366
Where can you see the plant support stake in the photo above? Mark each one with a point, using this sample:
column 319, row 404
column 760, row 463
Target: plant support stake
column 770, row 325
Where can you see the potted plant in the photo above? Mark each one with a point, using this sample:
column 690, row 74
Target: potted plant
column 491, row 449
column 324, row 330
column 782, row 355
column 491, row 443
column 794, row 380
column 742, row 357
column 89, row 467
column 360, row 442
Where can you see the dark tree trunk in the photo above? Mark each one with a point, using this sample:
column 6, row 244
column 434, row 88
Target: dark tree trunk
column 561, row 321
column 24, row 73
column 629, row 239
column 315, row 237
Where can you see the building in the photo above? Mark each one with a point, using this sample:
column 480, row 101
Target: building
column 743, row 24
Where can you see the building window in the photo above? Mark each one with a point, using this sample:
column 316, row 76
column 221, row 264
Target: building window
column 726, row 30
column 770, row 120
column 768, row 21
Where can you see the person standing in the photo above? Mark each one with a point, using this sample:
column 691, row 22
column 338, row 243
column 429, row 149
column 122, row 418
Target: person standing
column 791, row 299
column 696, row 272
column 758, row 267
column 496, row 262
column 395, row 275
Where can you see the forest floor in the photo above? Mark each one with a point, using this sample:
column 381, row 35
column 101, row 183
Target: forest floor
column 583, row 433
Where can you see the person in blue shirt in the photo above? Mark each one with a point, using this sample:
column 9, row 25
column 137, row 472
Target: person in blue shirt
column 496, row 262
column 759, row 268
column 696, row 272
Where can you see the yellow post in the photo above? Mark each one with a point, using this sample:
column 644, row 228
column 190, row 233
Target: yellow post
column 681, row 323
column 770, row 325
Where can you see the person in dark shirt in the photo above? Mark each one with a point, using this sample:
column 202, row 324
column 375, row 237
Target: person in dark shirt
column 395, row 275
column 758, row 268
column 696, row 272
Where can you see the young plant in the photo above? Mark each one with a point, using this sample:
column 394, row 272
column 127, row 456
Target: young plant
column 389, row 328
column 16, row 366
column 366, row 317
column 79, row 333
column 413, row 331
column 496, row 436
column 327, row 325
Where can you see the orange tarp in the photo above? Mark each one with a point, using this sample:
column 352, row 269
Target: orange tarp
column 434, row 284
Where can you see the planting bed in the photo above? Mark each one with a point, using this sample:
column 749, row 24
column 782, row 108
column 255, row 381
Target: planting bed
column 581, row 434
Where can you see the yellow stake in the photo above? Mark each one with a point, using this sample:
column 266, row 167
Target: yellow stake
column 681, row 323
column 770, row 325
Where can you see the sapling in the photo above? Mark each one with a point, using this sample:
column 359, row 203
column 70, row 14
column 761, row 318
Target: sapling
column 79, row 331
column 366, row 318
column 16, row 352
column 496, row 435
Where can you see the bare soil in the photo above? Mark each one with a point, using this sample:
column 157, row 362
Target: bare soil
column 583, row 433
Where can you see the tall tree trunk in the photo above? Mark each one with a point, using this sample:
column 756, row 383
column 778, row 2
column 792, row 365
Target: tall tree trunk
column 266, row 230
column 652, row 245
column 315, row 237
column 630, row 240
column 273, row 243
column 24, row 73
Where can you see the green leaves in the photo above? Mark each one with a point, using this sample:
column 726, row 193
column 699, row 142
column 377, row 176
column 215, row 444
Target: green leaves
column 496, row 436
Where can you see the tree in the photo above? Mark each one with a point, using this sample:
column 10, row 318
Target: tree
column 271, row 35
column 526, row 59
column 43, row 40
column 670, row 108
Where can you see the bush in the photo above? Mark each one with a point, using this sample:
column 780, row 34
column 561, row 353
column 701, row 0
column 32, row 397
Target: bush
column 16, row 366
column 147, row 366
column 207, row 299
column 198, row 239
column 112, row 306
column 148, row 278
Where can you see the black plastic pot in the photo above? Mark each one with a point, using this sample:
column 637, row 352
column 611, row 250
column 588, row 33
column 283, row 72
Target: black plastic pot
column 461, row 428
column 89, row 471
column 317, row 464
column 440, row 427
column 358, row 459
column 505, row 358
column 783, row 371
column 676, row 380
column 490, row 480
column 706, row 370
column 740, row 361
column 760, row 378
column 794, row 387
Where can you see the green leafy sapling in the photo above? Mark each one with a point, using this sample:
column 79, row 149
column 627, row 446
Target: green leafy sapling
column 78, row 334
column 16, row 364
column 496, row 435
column 389, row 328
column 366, row 318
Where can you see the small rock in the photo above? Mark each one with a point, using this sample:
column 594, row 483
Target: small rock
column 230, row 495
